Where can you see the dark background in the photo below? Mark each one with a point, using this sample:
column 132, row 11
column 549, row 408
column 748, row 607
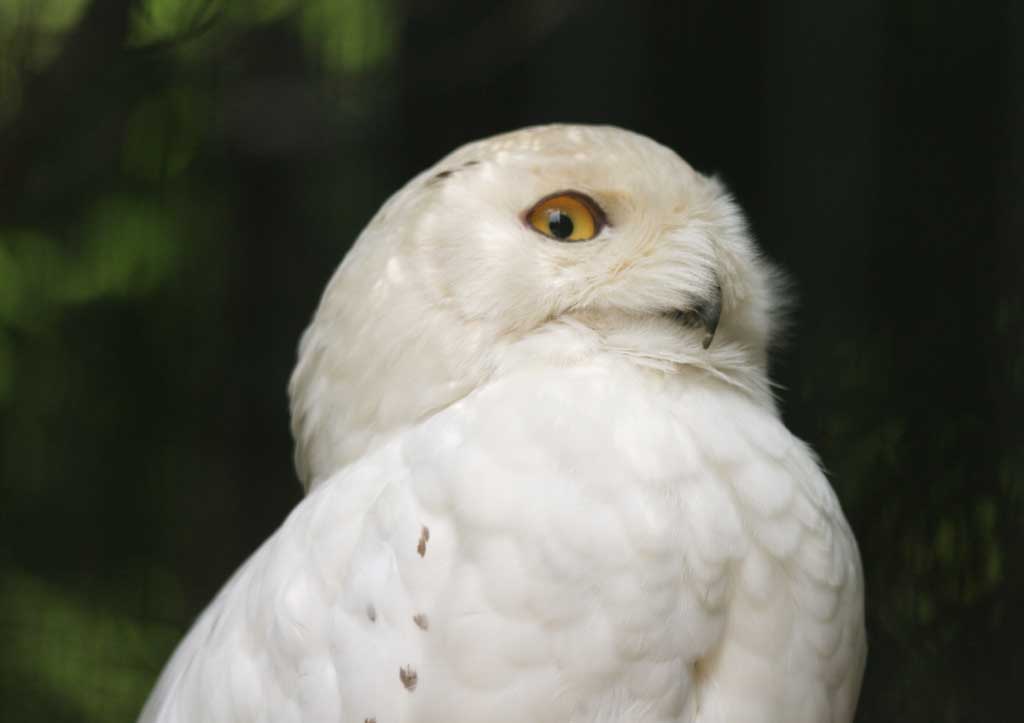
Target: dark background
column 179, row 178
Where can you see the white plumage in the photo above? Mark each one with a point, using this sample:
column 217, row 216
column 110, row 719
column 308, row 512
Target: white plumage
column 534, row 495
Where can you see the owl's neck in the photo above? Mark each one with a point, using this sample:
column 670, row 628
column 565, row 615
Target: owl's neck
column 350, row 399
column 654, row 344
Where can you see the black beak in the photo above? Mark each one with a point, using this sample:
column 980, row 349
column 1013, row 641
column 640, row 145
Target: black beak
column 706, row 313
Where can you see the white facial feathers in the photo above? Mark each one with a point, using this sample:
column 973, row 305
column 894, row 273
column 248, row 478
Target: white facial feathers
column 449, row 277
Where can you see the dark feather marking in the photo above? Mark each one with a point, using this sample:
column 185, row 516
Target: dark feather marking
column 421, row 546
column 408, row 677
column 421, row 620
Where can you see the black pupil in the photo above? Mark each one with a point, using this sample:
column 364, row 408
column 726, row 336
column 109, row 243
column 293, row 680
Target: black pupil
column 559, row 224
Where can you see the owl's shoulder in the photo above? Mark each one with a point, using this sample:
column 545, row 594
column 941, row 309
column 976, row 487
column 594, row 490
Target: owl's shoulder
column 611, row 517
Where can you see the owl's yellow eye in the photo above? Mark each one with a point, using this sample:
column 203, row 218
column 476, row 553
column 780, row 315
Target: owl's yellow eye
column 567, row 216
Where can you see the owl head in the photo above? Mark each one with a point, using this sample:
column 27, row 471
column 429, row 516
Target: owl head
column 563, row 240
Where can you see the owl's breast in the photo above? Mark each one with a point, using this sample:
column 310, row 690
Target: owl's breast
column 564, row 577
column 597, row 550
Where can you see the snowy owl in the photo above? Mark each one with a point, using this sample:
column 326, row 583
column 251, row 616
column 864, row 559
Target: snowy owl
column 546, row 477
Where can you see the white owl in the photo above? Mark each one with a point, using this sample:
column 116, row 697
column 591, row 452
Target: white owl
column 547, row 480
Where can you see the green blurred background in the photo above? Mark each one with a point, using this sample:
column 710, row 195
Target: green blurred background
column 179, row 178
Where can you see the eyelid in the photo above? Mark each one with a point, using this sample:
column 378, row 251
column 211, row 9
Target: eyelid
column 598, row 219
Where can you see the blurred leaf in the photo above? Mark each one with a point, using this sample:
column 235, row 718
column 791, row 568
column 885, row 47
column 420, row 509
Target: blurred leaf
column 129, row 249
column 258, row 11
column 166, row 20
column 31, row 35
column 350, row 36
column 56, row 16
column 162, row 135
column 100, row 662
column 32, row 268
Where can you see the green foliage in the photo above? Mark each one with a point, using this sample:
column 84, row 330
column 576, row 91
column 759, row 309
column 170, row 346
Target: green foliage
column 155, row 21
column 163, row 134
column 129, row 249
column 349, row 36
column 52, row 16
column 340, row 36
column 119, row 250
column 96, row 661
column 31, row 36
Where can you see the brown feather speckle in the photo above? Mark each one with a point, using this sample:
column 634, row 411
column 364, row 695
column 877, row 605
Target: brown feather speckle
column 421, row 620
column 408, row 677
column 421, row 547
column 438, row 177
column 371, row 612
